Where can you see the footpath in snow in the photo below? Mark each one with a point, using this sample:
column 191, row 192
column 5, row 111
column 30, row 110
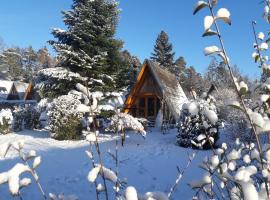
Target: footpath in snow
column 147, row 164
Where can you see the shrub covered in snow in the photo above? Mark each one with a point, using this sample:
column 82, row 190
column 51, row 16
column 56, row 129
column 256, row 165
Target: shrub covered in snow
column 25, row 117
column 31, row 117
column 235, row 172
column 5, row 121
column 241, row 172
column 64, row 118
column 18, row 116
column 199, row 124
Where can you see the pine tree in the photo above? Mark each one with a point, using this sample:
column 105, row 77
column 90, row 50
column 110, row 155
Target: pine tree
column 30, row 63
column 163, row 53
column 88, row 46
column 12, row 62
column 132, row 69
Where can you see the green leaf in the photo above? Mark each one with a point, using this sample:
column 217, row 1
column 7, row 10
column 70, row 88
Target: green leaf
column 268, row 40
column 257, row 57
column 209, row 33
column 236, row 105
column 200, row 5
column 243, row 91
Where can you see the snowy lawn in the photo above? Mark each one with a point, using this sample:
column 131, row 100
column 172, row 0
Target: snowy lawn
column 148, row 165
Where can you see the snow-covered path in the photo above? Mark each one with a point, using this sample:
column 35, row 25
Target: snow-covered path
column 148, row 165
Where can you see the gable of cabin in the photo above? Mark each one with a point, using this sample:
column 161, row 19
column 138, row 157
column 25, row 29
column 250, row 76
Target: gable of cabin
column 145, row 97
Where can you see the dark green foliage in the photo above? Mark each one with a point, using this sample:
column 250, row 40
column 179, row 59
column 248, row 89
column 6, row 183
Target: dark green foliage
column 191, row 127
column 188, row 77
column 4, row 126
column 18, row 115
column 31, row 118
column 69, row 131
column 88, row 45
column 130, row 70
column 54, row 87
column 163, row 51
column 198, row 126
column 25, row 117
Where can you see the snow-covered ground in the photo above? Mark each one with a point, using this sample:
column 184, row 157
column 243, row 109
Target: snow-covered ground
column 147, row 164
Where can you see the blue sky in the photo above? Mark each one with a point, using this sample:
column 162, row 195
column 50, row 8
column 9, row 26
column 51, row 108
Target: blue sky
column 29, row 22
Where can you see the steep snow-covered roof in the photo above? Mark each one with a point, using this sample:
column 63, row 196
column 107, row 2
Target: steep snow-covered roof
column 171, row 90
column 5, row 87
column 167, row 84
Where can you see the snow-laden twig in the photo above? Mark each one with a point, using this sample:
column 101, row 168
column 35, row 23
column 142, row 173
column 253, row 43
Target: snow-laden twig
column 181, row 173
column 33, row 171
column 97, row 143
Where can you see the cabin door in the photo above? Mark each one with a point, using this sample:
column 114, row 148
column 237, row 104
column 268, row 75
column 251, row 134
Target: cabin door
column 148, row 107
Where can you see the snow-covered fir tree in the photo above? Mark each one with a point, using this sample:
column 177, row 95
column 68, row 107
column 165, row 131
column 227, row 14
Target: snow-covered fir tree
column 163, row 51
column 11, row 63
column 88, row 46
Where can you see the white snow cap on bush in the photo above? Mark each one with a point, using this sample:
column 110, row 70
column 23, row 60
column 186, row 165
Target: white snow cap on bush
column 193, row 108
column 131, row 193
column 208, row 22
column 108, row 174
column 210, row 50
column 211, row 115
column 126, row 121
column 92, row 176
column 263, row 46
column 204, row 181
column 155, row 196
column 261, row 36
column 12, row 177
column 224, row 14
column 7, row 114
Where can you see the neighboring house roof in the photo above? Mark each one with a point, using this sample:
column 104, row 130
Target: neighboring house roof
column 19, row 89
column 5, row 88
column 172, row 92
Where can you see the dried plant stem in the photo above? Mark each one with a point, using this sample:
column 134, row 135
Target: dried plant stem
column 97, row 145
column 253, row 23
column 20, row 196
column 93, row 165
column 236, row 89
column 101, row 164
column 116, row 163
column 34, row 174
column 180, row 174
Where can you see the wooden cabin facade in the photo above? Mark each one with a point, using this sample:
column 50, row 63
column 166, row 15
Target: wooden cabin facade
column 156, row 90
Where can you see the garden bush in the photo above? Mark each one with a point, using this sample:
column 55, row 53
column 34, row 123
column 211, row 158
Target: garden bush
column 64, row 119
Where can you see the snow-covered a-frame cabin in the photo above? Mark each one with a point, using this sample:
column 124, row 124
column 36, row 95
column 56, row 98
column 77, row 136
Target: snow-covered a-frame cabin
column 15, row 91
column 156, row 90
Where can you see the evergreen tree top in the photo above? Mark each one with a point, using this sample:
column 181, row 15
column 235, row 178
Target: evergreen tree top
column 163, row 50
column 88, row 46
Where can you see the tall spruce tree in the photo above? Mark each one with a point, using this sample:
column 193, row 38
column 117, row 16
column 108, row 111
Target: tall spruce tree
column 163, row 51
column 88, row 46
